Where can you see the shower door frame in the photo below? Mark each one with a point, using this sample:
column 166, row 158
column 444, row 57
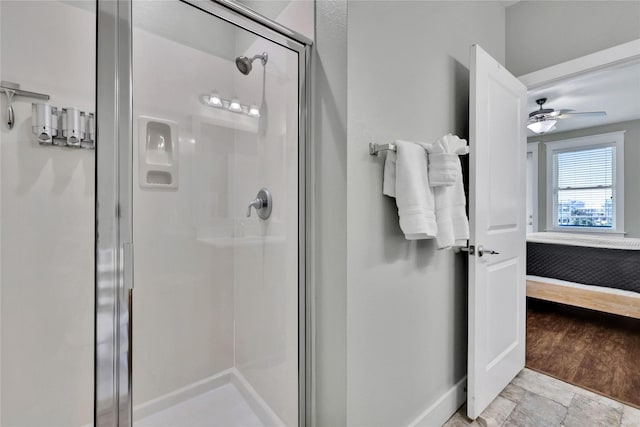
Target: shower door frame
column 114, row 201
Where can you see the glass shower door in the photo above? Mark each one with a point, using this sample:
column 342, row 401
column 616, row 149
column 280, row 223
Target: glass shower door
column 217, row 219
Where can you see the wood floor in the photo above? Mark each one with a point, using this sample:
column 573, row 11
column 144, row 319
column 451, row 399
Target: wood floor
column 593, row 350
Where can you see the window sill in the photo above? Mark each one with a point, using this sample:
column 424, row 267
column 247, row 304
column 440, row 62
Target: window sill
column 580, row 230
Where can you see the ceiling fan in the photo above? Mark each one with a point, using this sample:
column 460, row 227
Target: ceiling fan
column 544, row 119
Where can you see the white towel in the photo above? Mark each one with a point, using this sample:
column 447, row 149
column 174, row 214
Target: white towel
column 444, row 164
column 450, row 200
column 444, row 169
column 406, row 179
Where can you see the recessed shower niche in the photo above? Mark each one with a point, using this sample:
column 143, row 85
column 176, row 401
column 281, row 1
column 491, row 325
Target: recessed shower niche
column 158, row 153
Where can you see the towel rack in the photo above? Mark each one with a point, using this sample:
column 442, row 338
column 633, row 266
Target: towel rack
column 374, row 149
column 13, row 89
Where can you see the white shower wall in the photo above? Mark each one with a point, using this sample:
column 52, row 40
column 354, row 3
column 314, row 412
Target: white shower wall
column 47, row 211
column 183, row 312
column 266, row 274
column 215, row 290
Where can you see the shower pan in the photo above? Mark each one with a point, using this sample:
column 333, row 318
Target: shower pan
column 201, row 309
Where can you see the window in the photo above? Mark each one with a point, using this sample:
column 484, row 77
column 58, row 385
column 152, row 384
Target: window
column 585, row 184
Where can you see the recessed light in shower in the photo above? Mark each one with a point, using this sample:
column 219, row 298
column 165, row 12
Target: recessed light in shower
column 254, row 111
column 235, row 106
column 215, row 100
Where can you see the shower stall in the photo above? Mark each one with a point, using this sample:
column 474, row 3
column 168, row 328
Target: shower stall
column 173, row 140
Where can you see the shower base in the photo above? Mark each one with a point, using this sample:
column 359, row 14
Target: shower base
column 224, row 400
column 223, row 406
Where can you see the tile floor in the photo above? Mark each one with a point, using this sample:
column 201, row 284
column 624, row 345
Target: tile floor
column 221, row 407
column 536, row 400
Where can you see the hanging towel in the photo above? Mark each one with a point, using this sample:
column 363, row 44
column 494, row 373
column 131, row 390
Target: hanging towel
column 444, row 164
column 450, row 200
column 406, row 178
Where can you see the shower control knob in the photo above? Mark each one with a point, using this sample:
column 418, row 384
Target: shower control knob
column 262, row 204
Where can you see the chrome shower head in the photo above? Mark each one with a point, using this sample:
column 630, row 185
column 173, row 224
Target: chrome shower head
column 245, row 64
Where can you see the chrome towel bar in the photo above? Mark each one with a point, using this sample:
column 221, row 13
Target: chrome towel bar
column 375, row 149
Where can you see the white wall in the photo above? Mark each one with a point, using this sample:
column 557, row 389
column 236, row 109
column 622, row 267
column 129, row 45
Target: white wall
column 403, row 304
column 406, row 301
column 47, row 242
column 541, row 34
column 329, row 220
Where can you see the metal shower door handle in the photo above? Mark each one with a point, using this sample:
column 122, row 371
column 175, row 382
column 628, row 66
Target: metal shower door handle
column 263, row 204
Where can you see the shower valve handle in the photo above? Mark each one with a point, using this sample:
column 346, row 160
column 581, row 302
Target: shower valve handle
column 257, row 204
column 262, row 204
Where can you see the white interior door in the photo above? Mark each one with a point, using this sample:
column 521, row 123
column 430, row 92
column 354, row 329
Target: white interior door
column 497, row 168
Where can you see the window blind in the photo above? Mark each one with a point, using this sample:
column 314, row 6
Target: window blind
column 584, row 187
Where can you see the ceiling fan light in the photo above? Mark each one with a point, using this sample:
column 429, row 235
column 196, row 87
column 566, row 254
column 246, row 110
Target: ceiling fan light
column 542, row 126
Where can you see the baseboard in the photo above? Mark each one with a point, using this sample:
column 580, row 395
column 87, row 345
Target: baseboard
column 180, row 395
column 443, row 408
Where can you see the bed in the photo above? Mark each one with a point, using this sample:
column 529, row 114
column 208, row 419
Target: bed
column 596, row 272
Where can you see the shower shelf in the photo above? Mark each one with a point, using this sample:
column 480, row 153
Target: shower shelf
column 250, row 235
column 227, row 242
column 227, row 119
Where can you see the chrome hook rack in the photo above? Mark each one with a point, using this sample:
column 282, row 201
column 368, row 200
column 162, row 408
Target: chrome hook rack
column 13, row 89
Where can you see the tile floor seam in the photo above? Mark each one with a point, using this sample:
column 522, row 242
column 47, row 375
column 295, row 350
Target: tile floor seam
column 509, row 414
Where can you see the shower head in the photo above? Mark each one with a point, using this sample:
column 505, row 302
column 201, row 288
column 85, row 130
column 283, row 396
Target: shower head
column 245, row 64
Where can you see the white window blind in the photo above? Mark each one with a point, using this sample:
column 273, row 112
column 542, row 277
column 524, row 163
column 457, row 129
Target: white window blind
column 584, row 182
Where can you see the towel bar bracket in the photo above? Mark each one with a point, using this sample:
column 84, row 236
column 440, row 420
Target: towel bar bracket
column 375, row 149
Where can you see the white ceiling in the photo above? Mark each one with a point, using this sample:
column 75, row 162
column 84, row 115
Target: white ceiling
column 615, row 89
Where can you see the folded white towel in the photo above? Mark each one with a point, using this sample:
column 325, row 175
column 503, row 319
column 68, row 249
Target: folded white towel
column 444, row 169
column 450, row 200
column 444, row 164
column 448, row 144
column 406, row 179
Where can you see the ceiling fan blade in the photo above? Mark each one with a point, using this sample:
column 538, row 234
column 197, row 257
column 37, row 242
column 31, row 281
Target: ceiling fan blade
column 569, row 115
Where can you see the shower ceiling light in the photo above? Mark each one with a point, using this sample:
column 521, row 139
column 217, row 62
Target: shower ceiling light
column 542, row 126
column 234, row 105
column 215, row 100
column 254, row 111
